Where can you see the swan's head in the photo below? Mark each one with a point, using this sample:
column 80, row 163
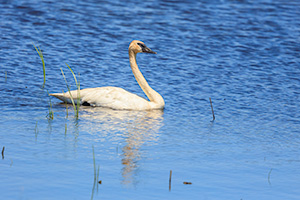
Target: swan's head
column 139, row 47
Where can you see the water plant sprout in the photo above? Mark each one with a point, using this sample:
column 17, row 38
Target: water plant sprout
column 50, row 115
column 212, row 110
column 76, row 107
column 39, row 51
column 96, row 175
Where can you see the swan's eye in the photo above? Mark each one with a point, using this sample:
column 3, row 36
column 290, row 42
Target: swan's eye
column 145, row 49
column 141, row 45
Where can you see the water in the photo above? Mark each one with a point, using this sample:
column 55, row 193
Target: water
column 242, row 54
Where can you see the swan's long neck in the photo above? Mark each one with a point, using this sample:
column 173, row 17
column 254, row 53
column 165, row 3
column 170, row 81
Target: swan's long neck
column 151, row 94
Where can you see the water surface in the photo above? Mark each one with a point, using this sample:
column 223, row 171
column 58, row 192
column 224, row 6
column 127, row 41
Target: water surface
column 242, row 54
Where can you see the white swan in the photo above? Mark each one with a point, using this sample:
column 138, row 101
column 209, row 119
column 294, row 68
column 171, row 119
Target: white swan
column 118, row 98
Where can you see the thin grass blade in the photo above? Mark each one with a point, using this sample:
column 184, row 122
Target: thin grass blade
column 39, row 51
column 69, row 90
column 78, row 90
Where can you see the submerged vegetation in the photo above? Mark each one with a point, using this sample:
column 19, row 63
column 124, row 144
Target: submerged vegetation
column 212, row 110
column 3, row 152
column 66, row 129
column 67, row 110
column 50, row 115
column 96, row 175
column 36, row 130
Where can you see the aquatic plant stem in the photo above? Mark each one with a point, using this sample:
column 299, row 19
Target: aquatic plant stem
column 67, row 110
column 39, row 51
column 212, row 110
column 65, row 128
column 50, row 114
column 170, row 180
column 36, row 129
column 78, row 90
column 269, row 176
column 62, row 72
column 3, row 152
column 96, row 174
column 94, row 161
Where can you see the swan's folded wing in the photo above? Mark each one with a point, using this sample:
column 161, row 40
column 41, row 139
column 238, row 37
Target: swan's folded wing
column 112, row 97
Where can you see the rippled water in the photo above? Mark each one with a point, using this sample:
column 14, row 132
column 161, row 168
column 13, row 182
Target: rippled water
column 242, row 54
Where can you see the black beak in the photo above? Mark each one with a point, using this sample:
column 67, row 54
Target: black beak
column 145, row 49
column 148, row 50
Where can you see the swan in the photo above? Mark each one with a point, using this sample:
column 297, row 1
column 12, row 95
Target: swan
column 118, row 98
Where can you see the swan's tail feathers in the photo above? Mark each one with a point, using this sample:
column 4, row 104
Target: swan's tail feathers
column 65, row 97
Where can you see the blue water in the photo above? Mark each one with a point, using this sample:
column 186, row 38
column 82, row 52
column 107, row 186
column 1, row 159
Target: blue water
column 244, row 55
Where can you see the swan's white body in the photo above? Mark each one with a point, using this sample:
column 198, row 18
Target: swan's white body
column 118, row 98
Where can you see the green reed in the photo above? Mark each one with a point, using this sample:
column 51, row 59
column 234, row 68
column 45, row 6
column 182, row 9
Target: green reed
column 66, row 128
column 78, row 89
column 94, row 161
column 39, row 51
column 67, row 110
column 76, row 107
column 50, row 115
column 96, row 175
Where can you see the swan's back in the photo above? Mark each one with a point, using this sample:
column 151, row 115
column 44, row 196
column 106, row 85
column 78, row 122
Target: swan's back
column 110, row 97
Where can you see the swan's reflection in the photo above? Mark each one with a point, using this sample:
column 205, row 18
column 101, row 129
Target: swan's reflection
column 136, row 127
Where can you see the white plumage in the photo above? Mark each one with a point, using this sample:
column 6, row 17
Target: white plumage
column 118, row 98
